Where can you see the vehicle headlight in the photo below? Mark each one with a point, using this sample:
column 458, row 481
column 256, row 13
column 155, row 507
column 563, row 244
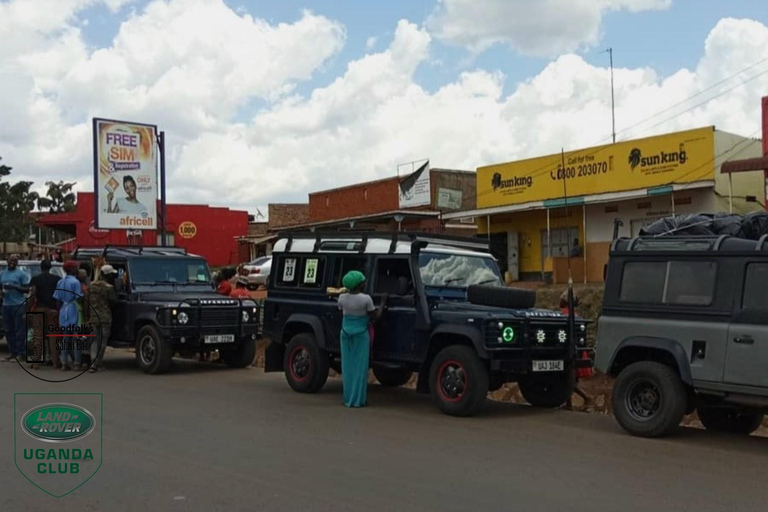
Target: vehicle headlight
column 505, row 334
column 183, row 318
column 246, row 316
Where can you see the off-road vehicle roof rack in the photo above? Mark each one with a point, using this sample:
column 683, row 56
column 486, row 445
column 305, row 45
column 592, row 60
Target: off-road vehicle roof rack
column 360, row 240
column 128, row 250
column 693, row 244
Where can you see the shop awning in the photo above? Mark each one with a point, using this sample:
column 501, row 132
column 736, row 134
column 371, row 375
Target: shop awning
column 745, row 165
column 581, row 200
column 257, row 240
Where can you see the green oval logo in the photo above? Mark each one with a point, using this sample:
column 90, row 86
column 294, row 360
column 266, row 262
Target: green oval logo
column 58, row 423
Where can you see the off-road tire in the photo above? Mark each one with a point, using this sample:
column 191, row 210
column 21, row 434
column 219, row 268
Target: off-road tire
column 731, row 420
column 153, row 352
column 451, row 365
column 548, row 391
column 392, row 377
column 242, row 356
column 309, row 374
column 649, row 399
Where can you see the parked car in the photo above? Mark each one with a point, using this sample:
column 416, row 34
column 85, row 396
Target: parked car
column 258, row 272
column 166, row 303
column 32, row 268
column 449, row 318
column 684, row 328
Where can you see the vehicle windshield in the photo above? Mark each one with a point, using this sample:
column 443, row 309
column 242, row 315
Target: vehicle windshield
column 169, row 270
column 457, row 271
column 33, row 270
column 260, row 261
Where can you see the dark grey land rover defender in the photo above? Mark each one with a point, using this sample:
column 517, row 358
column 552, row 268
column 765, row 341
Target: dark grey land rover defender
column 684, row 327
column 449, row 318
column 166, row 304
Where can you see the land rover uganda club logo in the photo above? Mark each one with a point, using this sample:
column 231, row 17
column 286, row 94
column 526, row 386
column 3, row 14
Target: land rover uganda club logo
column 58, row 439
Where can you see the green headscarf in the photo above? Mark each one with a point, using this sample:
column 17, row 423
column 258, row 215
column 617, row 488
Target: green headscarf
column 353, row 279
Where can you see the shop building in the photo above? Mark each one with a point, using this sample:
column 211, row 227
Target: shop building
column 416, row 202
column 208, row 231
column 543, row 217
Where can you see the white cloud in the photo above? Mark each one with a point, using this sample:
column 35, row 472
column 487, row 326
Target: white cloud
column 188, row 65
column 370, row 43
column 375, row 117
column 164, row 67
column 534, row 27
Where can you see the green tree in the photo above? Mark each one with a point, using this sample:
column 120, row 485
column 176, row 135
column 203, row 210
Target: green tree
column 16, row 203
column 59, row 198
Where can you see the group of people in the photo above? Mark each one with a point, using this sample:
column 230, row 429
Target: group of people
column 224, row 283
column 69, row 302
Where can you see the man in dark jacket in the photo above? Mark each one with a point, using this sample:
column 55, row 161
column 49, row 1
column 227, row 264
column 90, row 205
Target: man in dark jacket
column 42, row 287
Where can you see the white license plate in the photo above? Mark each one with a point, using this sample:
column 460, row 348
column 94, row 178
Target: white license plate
column 219, row 338
column 547, row 366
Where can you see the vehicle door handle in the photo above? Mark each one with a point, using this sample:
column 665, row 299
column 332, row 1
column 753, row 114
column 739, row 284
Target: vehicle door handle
column 746, row 340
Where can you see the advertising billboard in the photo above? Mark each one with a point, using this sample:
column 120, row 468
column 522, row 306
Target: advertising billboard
column 681, row 157
column 125, row 174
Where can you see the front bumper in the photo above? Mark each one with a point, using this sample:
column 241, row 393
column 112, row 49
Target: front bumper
column 519, row 360
column 195, row 337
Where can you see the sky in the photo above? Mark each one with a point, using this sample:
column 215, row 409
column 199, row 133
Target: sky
column 266, row 101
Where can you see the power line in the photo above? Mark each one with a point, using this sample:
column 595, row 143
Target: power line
column 548, row 167
column 709, row 88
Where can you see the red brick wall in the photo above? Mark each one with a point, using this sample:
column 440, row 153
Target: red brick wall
column 383, row 196
column 364, row 199
column 283, row 215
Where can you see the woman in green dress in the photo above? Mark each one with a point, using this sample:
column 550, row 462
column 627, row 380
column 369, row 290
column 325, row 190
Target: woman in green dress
column 359, row 311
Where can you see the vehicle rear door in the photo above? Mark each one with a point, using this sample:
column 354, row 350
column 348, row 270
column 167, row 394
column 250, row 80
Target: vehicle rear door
column 395, row 336
column 747, row 348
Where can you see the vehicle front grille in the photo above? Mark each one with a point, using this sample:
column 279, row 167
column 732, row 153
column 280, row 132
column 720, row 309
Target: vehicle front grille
column 210, row 317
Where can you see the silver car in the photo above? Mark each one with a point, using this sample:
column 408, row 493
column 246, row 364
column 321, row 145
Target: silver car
column 258, row 271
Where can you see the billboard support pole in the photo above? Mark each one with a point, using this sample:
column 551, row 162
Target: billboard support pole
column 161, row 144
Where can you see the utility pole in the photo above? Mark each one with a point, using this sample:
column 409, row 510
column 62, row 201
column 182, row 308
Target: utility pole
column 613, row 104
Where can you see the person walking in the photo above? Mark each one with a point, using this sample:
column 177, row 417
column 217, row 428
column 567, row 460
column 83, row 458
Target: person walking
column 358, row 312
column 42, row 288
column 101, row 297
column 580, row 372
column 68, row 292
column 15, row 283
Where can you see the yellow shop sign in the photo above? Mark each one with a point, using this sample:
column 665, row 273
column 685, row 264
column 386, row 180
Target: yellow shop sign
column 681, row 157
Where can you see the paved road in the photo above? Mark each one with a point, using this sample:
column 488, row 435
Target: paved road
column 212, row 439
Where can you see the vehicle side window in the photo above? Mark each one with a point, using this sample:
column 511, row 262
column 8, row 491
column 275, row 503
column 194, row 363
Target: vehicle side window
column 346, row 264
column 389, row 271
column 755, row 289
column 312, row 272
column 643, row 282
column 689, row 283
column 288, row 271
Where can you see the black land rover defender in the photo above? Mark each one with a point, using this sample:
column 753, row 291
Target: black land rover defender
column 449, row 318
column 166, row 303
